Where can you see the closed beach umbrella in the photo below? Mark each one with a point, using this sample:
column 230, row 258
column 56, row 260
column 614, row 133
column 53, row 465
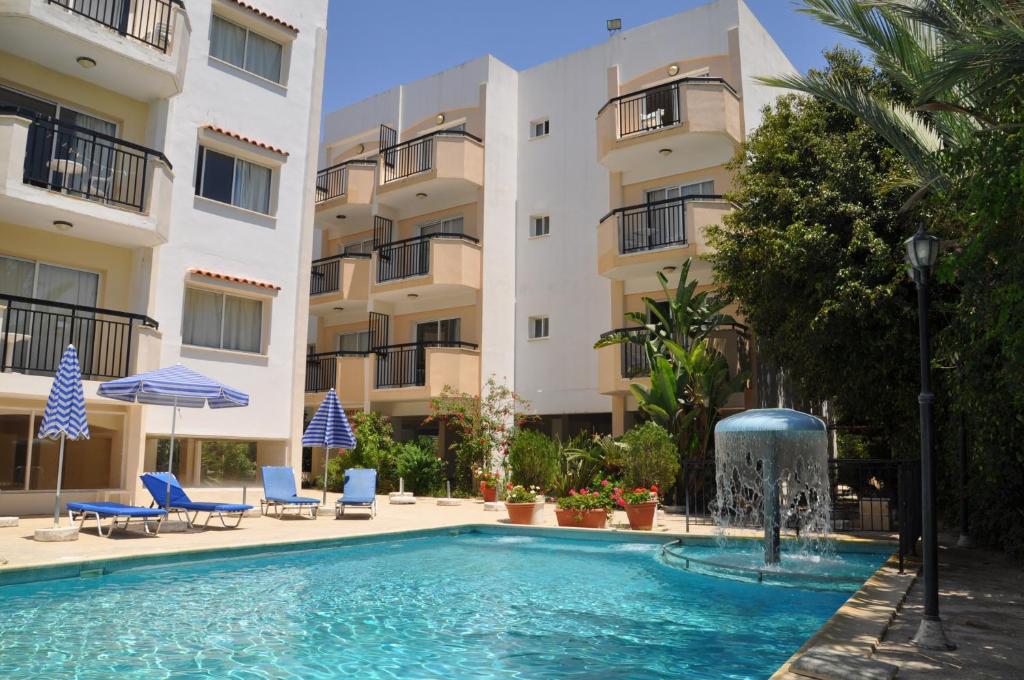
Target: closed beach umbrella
column 64, row 417
column 329, row 428
column 176, row 386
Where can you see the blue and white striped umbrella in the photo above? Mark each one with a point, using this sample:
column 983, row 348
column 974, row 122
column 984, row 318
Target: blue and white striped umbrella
column 329, row 428
column 174, row 385
column 64, row 416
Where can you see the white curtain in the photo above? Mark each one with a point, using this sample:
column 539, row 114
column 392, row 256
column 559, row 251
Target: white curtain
column 263, row 57
column 16, row 276
column 202, row 322
column 252, row 186
column 227, row 42
column 243, row 319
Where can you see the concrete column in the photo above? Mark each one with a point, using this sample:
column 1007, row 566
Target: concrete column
column 618, row 415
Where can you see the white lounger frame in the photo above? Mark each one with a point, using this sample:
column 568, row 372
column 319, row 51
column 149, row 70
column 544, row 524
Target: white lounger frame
column 84, row 515
column 266, row 505
column 339, row 508
column 210, row 514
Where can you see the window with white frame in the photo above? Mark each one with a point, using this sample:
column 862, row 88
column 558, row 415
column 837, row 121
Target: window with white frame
column 540, row 225
column 540, row 128
column 446, row 225
column 231, row 180
column 706, row 188
column 357, row 341
column 538, row 327
column 222, row 321
column 364, row 247
column 246, row 49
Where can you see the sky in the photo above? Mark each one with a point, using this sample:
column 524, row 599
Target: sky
column 373, row 45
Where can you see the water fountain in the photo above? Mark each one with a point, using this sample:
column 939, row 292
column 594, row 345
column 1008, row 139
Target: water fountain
column 771, row 472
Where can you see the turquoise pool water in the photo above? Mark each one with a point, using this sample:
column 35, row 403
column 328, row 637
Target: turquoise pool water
column 468, row 606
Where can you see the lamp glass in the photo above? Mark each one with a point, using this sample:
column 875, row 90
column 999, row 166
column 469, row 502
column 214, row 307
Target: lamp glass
column 922, row 249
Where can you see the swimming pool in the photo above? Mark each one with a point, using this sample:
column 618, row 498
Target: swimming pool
column 481, row 605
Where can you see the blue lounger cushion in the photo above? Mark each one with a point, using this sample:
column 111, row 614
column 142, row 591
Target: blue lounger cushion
column 279, row 486
column 110, row 509
column 360, row 487
column 156, row 484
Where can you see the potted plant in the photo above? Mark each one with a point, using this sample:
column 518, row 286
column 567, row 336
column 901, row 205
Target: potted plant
column 640, row 505
column 522, row 504
column 586, row 508
column 488, row 484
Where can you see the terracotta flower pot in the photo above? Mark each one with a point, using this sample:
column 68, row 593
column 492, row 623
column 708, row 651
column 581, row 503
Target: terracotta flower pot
column 490, row 493
column 521, row 513
column 588, row 519
column 641, row 515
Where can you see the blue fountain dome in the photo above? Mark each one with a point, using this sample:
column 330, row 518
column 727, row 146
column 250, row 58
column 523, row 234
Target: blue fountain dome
column 770, row 420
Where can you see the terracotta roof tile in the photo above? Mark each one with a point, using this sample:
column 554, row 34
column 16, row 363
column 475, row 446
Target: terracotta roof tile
column 243, row 138
column 235, row 279
column 269, row 17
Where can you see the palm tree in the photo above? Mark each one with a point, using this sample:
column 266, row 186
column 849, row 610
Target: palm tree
column 952, row 59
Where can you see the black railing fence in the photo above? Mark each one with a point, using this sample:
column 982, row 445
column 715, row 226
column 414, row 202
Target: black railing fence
column 322, row 369
column 325, row 274
column 415, row 155
column 655, row 107
column 148, row 21
column 36, row 332
column 92, row 165
column 405, row 365
column 409, row 257
column 657, row 224
column 332, row 182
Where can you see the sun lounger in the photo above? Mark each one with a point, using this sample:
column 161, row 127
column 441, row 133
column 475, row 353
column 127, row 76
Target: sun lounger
column 115, row 511
column 360, row 492
column 180, row 503
column 279, row 492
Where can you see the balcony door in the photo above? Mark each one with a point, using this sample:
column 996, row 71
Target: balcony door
column 37, row 333
column 431, row 333
column 666, row 223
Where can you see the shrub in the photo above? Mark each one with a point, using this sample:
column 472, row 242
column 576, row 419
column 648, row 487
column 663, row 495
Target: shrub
column 533, row 459
column 582, row 459
column 602, row 496
column 418, row 464
column 375, row 448
column 647, row 457
column 517, row 493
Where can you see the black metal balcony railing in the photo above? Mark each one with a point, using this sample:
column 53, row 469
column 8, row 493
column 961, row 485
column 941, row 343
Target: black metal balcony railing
column 322, row 369
column 325, row 275
column 332, row 182
column 634, row 357
column 35, row 333
column 409, row 257
column 655, row 107
column 405, row 365
column 657, row 224
column 92, row 165
column 415, row 155
column 148, row 21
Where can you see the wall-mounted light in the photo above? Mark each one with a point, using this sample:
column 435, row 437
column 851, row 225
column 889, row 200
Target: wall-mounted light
column 420, row 194
column 340, row 217
column 673, row 69
column 613, row 26
column 339, row 309
column 360, row 149
column 669, row 269
column 62, row 225
column 439, row 118
column 665, row 152
column 412, row 296
column 86, row 62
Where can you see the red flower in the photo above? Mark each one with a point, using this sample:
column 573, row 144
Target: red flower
column 584, row 491
column 594, row 493
column 617, row 491
column 604, row 482
column 654, row 488
column 639, row 489
column 572, row 492
column 620, row 501
column 509, row 486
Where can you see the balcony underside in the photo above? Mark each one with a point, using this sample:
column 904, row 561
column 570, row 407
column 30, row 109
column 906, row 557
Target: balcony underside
column 441, row 192
column 640, row 157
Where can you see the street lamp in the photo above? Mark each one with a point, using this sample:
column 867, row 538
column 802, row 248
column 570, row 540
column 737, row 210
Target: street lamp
column 922, row 252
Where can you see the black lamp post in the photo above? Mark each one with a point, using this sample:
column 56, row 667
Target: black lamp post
column 922, row 251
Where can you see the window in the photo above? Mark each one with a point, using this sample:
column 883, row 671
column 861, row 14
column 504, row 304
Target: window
column 226, row 463
column 540, row 128
column 445, row 330
column 28, row 463
column 248, row 51
column 697, row 189
column 538, row 327
column 355, row 247
column 358, row 341
column 222, row 321
column 540, row 225
column 447, row 225
column 227, row 179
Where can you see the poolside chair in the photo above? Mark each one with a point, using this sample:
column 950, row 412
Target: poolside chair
column 360, row 492
column 115, row 511
column 279, row 492
column 156, row 484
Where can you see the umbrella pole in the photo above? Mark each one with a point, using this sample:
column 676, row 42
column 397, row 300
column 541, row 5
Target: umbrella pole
column 60, row 472
column 170, row 457
column 327, row 454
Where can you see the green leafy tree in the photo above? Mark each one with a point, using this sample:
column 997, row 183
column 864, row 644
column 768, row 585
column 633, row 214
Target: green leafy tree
column 647, row 456
column 533, row 459
column 419, row 466
column 813, row 256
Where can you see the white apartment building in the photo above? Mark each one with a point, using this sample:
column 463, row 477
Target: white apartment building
column 492, row 222
column 156, row 207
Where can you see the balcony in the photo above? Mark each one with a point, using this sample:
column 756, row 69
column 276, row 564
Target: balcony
column 639, row 240
column 432, row 266
column 344, row 193
column 419, row 371
column 676, row 127
column 34, row 333
column 620, row 365
column 139, row 48
column 345, row 371
column 339, row 280
column 109, row 189
column 431, row 172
